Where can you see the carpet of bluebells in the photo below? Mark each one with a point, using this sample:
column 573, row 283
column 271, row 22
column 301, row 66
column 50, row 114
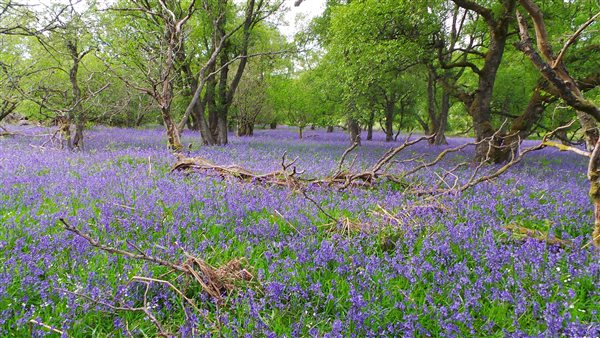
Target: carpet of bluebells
column 438, row 267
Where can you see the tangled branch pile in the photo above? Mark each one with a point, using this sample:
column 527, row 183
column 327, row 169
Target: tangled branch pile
column 216, row 282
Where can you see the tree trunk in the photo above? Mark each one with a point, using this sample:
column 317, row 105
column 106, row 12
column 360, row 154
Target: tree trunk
column 78, row 137
column 431, row 103
column 173, row 137
column 76, row 114
column 389, row 121
column 442, row 120
column 273, row 125
column 330, row 129
column 478, row 102
column 300, row 130
column 370, row 126
column 245, row 128
column 594, row 193
column 480, row 108
column 354, row 130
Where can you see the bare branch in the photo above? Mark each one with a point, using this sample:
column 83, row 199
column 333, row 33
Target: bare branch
column 573, row 38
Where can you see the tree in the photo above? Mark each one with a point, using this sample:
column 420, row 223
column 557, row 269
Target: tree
column 497, row 20
column 59, row 56
column 163, row 24
column 375, row 43
column 554, row 70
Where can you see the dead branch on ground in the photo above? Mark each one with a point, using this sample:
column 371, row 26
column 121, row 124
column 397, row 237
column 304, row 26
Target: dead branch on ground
column 525, row 233
column 289, row 176
column 215, row 281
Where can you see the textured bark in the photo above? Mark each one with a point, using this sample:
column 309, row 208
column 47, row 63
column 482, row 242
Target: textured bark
column 478, row 103
column 390, row 111
column 442, row 120
column 594, row 193
column 173, row 136
column 76, row 114
column 354, row 130
column 245, row 129
column 370, row 123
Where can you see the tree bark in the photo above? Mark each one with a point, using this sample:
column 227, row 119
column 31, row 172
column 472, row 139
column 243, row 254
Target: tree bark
column 76, row 115
column 478, row 103
column 389, row 121
column 438, row 121
column 442, row 120
column 273, row 125
column 354, row 130
column 330, row 129
column 370, row 126
column 173, row 136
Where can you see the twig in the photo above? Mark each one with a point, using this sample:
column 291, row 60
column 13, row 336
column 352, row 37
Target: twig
column 47, row 327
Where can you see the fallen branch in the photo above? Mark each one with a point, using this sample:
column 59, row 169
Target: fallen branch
column 537, row 235
column 47, row 327
column 215, row 281
column 286, row 177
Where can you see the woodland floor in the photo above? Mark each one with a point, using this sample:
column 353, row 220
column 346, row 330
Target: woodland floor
column 394, row 265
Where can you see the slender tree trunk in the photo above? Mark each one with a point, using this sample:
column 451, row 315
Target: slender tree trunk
column 330, row 129
column 273, row 125
column 76, row 115
column 389, row 121
column 300, row 130
column 354, row 130
column 370, row 125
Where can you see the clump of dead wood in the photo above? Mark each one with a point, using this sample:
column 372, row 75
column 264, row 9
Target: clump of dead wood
column 217, row 282
column 523, row 233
